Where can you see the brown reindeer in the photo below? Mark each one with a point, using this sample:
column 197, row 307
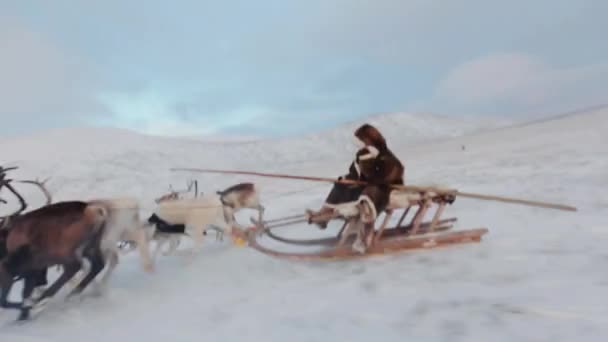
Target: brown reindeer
column 57, row 234
column 39, row 278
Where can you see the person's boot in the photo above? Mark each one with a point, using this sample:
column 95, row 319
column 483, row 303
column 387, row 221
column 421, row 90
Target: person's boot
column 320, row 218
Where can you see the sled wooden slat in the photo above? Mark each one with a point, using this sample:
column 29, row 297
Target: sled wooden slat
column 382, row 247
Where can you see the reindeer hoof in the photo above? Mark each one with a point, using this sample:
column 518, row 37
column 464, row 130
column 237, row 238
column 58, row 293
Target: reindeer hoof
column 24, row 315
column 149, row 268
column 37, row 293
column 74, row 296
column 38, row 307
column 98, row 290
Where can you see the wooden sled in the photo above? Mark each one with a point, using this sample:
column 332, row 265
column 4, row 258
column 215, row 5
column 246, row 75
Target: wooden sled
column 416, row 235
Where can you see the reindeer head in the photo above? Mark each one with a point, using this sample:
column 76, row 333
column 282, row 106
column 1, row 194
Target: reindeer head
column 167, row 197
column 176, row 194
column 7, row 183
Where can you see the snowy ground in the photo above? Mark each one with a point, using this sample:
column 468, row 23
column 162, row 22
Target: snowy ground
column 539, row 275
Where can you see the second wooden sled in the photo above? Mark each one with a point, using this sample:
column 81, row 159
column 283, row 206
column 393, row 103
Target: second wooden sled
column 416, row 235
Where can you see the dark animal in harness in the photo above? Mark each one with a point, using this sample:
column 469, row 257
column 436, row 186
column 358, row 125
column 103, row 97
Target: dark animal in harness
column 163, row 226
column 57, row 234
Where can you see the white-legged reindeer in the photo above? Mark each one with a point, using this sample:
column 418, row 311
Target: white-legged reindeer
column 175, row 218
column 177, row 194
column 123, row 223
column 240, row 196
column 56, row 234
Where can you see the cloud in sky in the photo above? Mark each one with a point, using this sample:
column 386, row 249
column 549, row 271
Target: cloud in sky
column 243, row 66
column 520, row 84
column 40, row 84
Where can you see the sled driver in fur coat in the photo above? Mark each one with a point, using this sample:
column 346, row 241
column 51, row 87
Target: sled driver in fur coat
column 380, row 168
column 375, row 164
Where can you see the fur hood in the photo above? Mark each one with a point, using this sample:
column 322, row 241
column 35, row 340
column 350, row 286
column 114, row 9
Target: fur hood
column 371, row 136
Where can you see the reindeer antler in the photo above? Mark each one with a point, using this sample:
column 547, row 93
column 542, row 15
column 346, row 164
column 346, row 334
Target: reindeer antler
column 3, row 170
column 41, row 185
column 4, row 182
column 174, row 194
column 193, row 182
column 22, row 204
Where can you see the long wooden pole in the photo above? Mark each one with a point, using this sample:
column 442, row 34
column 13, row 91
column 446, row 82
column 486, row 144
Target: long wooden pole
column 517, row 201
column 504, row 199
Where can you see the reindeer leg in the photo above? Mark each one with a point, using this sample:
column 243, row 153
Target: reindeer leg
column 69, row 270
column 198, row 239
column 84, row 270
column 172, row 245
column 160, row 241
column 97, row 265
column 112, row 257
column 142, row 247
column 28, row 288
column 7, row 284
column 229, row 222
column 40, row 282
column 9, row 269
column 219, row 233
column 195, row 231
column 234, row 223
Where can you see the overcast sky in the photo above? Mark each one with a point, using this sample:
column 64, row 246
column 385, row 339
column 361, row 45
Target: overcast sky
column 196, row 67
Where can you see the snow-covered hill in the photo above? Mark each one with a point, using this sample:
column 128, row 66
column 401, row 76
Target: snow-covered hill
column 537, row 276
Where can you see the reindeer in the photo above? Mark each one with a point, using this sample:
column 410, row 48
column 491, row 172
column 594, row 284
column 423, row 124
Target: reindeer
column 193, row 215
column 123, row 224
column 120, row 220
column 237, row 197
column 177, row 217
column 62, row 234
column 163, row 231
column 39, row 278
